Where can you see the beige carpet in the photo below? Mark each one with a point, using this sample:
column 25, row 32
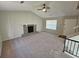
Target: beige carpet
column 39, row 45
column 45, row 45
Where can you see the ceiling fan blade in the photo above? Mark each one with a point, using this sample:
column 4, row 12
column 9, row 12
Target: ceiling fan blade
column 48, row 7
column 39, row 9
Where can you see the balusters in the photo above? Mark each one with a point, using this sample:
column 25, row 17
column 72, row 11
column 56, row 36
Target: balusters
column 64, row 45
column 70, row 46
column 74, row 47
column 77, row 49
column 67, row 45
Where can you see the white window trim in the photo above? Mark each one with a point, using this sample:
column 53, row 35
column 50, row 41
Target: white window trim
column 51, row 28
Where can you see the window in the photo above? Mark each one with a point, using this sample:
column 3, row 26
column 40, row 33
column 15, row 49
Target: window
column 51, row 24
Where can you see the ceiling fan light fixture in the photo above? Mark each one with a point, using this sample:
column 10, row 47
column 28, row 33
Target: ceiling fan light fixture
column 44, row 10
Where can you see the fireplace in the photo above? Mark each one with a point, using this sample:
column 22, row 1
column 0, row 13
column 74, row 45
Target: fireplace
column 30, row 28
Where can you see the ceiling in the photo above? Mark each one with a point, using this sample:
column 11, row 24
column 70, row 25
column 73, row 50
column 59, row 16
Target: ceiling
column 57, row 8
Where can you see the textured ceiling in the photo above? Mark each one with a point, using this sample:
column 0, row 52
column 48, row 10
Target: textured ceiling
column 57, row 8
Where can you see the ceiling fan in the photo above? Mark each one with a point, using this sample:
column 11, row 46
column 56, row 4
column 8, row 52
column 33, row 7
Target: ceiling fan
column 21, row 2
column 44, row 8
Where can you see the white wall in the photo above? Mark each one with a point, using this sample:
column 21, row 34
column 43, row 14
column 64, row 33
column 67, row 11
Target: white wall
column 61, row 24
column 0, row 39
column 12, row 23
column 59, row 29
column 69, row 25
column 0, row 44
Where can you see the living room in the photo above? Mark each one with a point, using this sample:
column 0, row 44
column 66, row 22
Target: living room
column 46, row 20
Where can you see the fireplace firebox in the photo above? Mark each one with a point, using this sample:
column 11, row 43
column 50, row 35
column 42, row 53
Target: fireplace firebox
column 30, row 28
